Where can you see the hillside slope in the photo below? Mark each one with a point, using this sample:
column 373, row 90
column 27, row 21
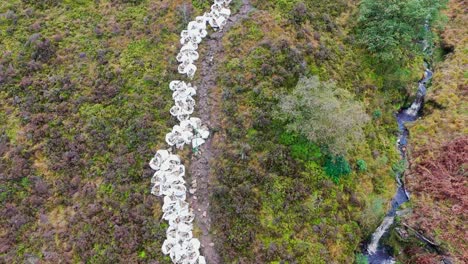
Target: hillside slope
column 84, row 104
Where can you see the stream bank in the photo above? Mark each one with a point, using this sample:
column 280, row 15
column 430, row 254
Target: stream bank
column 375, row 251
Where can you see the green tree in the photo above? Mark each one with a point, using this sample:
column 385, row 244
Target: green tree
column 324, row 113
column 390, row 29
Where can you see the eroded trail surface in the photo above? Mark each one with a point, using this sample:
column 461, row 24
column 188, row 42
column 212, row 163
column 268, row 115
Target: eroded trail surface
column 200, row 169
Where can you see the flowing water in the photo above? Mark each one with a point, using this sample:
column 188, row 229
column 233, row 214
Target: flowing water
column 376, row 252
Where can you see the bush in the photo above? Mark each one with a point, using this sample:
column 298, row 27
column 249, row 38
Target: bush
column 336, row 167
column 299, row 13
column 127, row 1
column 399, row 167
column 301, row 148
column 43, row 4
column 201, row 4
column 42, row 49
column 362, row 165
column 377, row 114
column 361, row 259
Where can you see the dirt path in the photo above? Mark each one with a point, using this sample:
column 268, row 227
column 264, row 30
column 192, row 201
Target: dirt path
column 207, row 105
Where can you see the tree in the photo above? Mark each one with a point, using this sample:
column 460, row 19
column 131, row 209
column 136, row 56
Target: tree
column 324, row 114
column 391, row 29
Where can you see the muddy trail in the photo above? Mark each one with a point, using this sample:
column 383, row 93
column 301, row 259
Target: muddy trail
column 200, row 169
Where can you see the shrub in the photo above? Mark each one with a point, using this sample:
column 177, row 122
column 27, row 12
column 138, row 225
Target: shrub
column 201, row 4
column 361, row 259
column 127, row 1
column 301, row 148
column 336, row 167
column 43, row 4
column 42, row 49
column 399, row 167
column 362, row 165
column 299, row 13
column 377, row 114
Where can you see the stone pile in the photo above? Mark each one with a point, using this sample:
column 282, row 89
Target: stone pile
column 168, row 181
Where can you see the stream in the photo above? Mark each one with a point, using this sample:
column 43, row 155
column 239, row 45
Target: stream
column 376, row 252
